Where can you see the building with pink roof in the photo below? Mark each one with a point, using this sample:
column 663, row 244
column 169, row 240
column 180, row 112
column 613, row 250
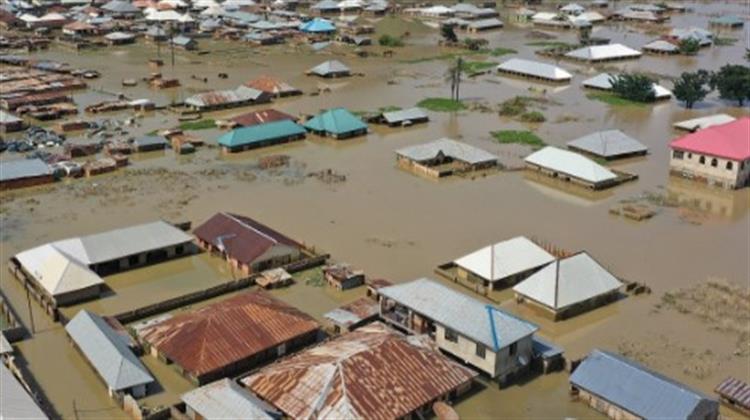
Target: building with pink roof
column 717, row 155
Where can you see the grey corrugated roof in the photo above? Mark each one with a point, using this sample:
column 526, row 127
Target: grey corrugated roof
column 224, row 399
column 405, row 115
column 570, row 163
column 22, row 168
column 486, row 23
column 448, row 147
column 638, row 389
column 534, row 68
column 660, row 45
column 107, row 352
column 16, row 402
column 459, row 312
column 608, row 143
column 331, row 66
column 150, row 141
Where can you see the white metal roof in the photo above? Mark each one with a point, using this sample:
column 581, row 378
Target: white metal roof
column 568, row 281
column 703, row 122
column 448, row 147
column 602, row 81
column 534, row 68
column 107, row 352
column 510, row 257
column 15, row 402
column 571, row 164
column 56, row 271
column 603, row 52
column 608, row 143
column 404, row 115
column 224, row 399
column 328, row 67
column 459, row 312
column 660, row 45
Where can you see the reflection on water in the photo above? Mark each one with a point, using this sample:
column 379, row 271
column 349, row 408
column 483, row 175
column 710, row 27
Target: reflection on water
column 565, row 191
column 714, row 203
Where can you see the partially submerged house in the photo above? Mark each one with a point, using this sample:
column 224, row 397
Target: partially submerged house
column 352, row 315
column 484, row 25
column 569, row 286
column 68, row 271
column 261, row 117
column 248, row 245
column 318, row 26
column 603, row 81
column 261, row 135
column 444, row 157
column 331, row 68
column 571, row 167
column 273, row 86
column 343, row 276
column 609, row 145
column 600, row 53
column 223, row 99
column 404, row 117
column 718, row 155
column 225, row 399
column 119, row 38
column 534, row 70
column 622, row 388
column 661, row 46
column 502, row 264
column 24, row 173
column 373, row 372
column 338, row 123
column 230, row 336
column 490, row 339
column 109, row 355
column 273, row 278
column 150, row 143
column 695, row 124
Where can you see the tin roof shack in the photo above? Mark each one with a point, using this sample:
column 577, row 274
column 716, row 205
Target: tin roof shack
column 330, row 69
column 571, row 167
column 326, row 381
column 444, row 157
column 223, row 99
column 348, row 317
column 495, row 342
column 150, row 143
column 534, row 70
column 718, row 155
column 260, row 117
column 735, row 393
column 274, row 278
column 17, row 402
column 68, row 271
column 622, row 388
column 273, row 86
column 224, row 399
column 261, row 135
column 343, row 276
column 24, row 173
column 569, row 286
column 502, row 264
column 109, row 355
column 248, row 245
column 338, row 123
column 230, row 336
column 403, row 117
column 609, row 145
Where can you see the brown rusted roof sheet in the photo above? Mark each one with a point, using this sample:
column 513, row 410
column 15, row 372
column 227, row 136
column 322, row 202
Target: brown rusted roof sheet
column 373, row 372
column 378, row 283
column 228, row 331
column 241, row 238
column 261, row 117
column 355, row 312
column 272, row 85
column 735, row 390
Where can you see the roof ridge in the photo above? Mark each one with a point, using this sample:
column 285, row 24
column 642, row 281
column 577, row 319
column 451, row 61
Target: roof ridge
column 233, row 217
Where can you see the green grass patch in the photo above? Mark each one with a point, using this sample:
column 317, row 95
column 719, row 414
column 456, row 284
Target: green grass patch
column 497, row 52
column 518, row 137
column 198, row 125
column 441, row 104
column 514, row 106
column 390, row 41
column 532, row 117
column 721, row 42
column 614, row 100
column 474, row 67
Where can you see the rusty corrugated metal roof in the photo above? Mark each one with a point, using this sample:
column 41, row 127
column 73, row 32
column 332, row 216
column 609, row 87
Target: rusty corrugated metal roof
column 272, row 85
column 735, row 390
column 261, row 117
column 228, row 331
column 373, row 372
column 354, row 312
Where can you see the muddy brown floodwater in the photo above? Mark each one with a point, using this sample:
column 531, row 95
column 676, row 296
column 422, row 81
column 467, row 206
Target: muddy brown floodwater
column 399, row 226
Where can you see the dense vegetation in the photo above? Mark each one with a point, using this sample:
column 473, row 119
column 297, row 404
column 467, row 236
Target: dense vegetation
column 441, row 104
column 692, row 87
column 518, row 137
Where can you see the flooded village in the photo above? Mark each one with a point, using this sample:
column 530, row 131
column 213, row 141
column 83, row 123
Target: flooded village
column 374, row 209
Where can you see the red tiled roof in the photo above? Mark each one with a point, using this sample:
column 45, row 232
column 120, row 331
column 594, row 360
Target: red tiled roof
column 242, row 238
column 228, row 331
column 729, row 141
column 261, row 117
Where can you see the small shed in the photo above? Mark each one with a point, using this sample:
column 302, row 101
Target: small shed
column 330, row 69
column 352, row 315
column 343, row 276
column 274, row 278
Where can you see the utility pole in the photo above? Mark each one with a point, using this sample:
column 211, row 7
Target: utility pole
column 31, row 313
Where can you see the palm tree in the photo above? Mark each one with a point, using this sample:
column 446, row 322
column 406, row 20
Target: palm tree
column 453, row 74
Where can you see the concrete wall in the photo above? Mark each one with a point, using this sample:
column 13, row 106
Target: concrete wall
column 689, row 165
column 465, row 349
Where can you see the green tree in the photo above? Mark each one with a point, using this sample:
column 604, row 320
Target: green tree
column 689, row 46
column 634, row 87
column 475, row 44
column 390, row 41
column 733, row 83
column 448, row 34
column 454, row 77
column 692, row 87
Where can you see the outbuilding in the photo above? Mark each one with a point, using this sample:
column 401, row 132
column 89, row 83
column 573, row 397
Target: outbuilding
column 353, row 315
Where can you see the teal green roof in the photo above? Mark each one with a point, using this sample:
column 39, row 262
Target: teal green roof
column 336, row 121
column 728, row 20
column 261, row 132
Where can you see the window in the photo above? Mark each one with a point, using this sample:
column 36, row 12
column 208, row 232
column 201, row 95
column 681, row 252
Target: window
column 132, row 260
column 179, row 249
column 690, row 155
column 480, row 351
column 702, row 160
column 714, row 162
column 513, row 349
column 451, row 336
column 678, row 154
column 729, row 165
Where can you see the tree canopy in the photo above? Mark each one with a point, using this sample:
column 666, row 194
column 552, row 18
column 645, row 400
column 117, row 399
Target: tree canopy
column 733, row 83
column 692, row 87
column 634, row 87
